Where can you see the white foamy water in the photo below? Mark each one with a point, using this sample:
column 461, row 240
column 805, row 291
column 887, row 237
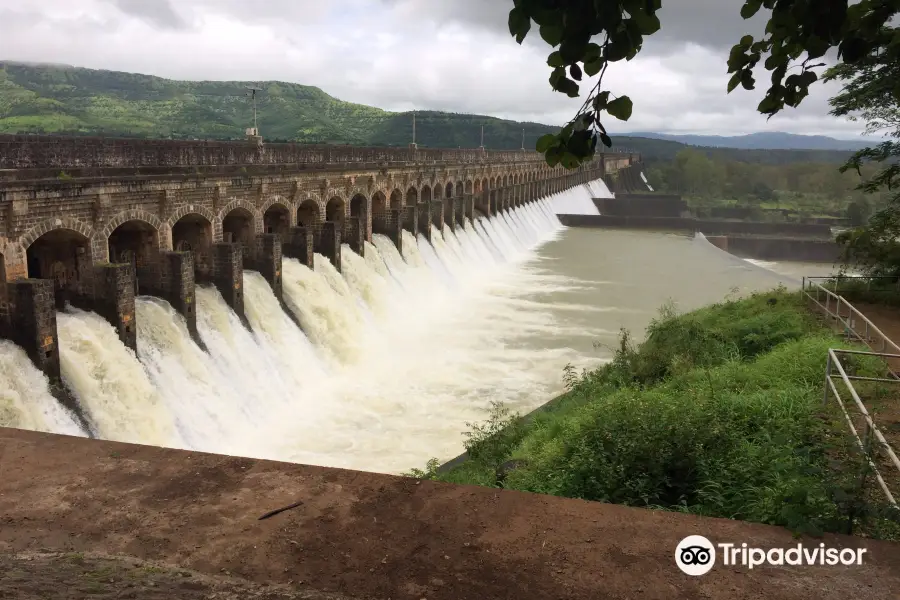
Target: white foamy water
column 391, row 358
column 25, row 398
column 110, row 383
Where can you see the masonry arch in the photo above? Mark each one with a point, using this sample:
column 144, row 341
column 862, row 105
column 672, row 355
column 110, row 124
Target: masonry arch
column 448, row 190
column 379, row 204
column 335, row 209
column 308, row 213
column 61, row 253
column 238, row 226
column 135, row 242
column 277, row 219
column 469, row 186
column 396, row 199
column 359, row 208
column 412, row 196
column 193, row 232
column 459, row 189
column 425, row 194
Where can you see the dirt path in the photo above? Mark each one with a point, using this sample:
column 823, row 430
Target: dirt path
column 55, row 576
column 365, row 535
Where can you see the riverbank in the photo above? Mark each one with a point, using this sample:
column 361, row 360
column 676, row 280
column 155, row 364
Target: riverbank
column 718, row 413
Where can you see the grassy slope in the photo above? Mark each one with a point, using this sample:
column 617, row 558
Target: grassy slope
column 53, row 99
column 718, row 413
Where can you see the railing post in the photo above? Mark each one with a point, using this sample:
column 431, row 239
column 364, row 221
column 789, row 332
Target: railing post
column 827, row 379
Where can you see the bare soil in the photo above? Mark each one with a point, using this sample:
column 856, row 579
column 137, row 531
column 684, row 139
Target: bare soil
column 356, row 535
column 55, row 576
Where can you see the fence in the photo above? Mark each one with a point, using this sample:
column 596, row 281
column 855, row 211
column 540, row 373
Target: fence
column 854, row 322
column 872, row 443
column 872, row 435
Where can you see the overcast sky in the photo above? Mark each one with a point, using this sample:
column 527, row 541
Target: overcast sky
column 453, row 55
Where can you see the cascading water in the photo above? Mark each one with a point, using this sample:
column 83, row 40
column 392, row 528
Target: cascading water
column 110, row 383
column 390, row 359
column 25, row 398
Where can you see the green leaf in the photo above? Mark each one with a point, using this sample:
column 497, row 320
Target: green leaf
column 519, row 24
column 575, row 72
column 606, row 140
column 647, row 24
column 555, row 59
column 568, row 87
column 552, row 34
column 620, row 108
column 601, row 100
column 555, row 75
column 746, row 41
column 592, row 51
column 750, row 8
column 593, row 66
column 733, row 82
column 545, row 142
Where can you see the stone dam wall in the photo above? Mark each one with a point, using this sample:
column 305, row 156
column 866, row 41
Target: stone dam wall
column 95, row 221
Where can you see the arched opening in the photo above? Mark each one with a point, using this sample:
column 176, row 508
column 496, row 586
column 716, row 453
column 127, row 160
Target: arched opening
column 412, row 196
column 358, row 209
column 137, row 243
column 448, row 191
column 308, row 213
column 469, row 187
column 396, row 199
column 277, row 219
column 237, row 226
column 459, row 189
column 63, row 255
column 425, row 194
column 379, row 203
column 358, row 206
column 193, row 233
column 334, row 210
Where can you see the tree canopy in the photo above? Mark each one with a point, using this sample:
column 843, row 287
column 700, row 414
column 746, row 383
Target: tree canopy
column 588, row 35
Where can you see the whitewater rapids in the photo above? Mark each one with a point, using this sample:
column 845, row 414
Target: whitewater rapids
column 395, row 355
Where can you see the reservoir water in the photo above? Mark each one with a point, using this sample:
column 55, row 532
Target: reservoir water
column 396, row 353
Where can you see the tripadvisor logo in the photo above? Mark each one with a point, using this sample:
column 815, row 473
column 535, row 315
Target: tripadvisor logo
column 696, row 555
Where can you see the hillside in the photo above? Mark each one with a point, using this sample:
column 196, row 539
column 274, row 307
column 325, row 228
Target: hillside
column 764, row 140
column 61, row 99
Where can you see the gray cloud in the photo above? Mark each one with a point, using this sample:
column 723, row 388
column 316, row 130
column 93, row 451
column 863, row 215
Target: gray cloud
column 156, row 12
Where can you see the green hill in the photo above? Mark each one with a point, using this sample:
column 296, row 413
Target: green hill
column 60, row 99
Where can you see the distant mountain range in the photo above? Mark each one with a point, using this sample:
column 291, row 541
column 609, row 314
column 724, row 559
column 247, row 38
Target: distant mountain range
column 61, row 99
column 775, row 140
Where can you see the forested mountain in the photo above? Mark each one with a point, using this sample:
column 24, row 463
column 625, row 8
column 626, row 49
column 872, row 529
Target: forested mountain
column 764, row 140
column 69, row 100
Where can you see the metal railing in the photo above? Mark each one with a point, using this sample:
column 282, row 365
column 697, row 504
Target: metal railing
column 872, row 443
column 855, row 323
column 868, row 279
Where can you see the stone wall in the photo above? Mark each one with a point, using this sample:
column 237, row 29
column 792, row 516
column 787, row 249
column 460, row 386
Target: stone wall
column 769, row 248
column 690, row 225
column 72, row 152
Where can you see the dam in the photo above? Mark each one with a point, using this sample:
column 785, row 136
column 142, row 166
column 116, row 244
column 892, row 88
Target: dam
column 335, row 306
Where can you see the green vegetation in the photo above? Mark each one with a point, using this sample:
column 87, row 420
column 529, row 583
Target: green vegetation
column 66, row 100
column 814, row 189
column 719, row 413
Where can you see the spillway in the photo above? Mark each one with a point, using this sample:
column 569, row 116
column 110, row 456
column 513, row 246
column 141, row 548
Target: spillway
column 378, row 367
